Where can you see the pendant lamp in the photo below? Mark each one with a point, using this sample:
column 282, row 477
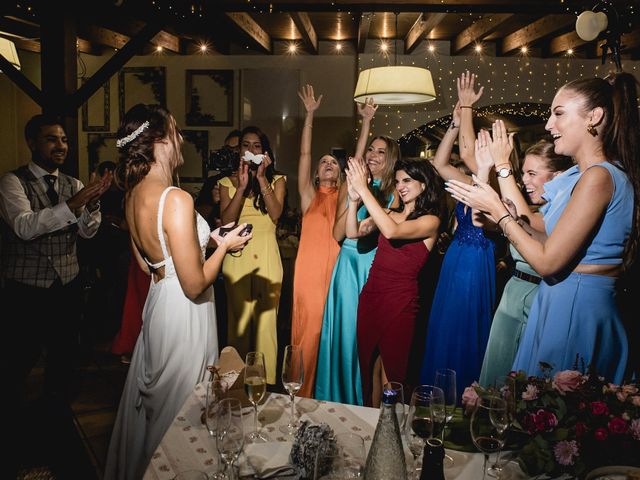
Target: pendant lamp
column 8, row 51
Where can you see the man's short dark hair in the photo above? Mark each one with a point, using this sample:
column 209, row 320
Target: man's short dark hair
column 33, row 126
column 233, row 133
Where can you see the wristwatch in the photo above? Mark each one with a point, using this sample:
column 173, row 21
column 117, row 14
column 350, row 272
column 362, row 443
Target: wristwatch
column 504, row 172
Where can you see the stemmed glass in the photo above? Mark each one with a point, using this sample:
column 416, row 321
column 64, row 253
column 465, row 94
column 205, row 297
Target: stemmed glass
column 292, row 378
column 489, row 423
column 230, row 434
column 255, row 386
column 445, row 378
column 211, row 413
column 505, row 389
column 425, row 418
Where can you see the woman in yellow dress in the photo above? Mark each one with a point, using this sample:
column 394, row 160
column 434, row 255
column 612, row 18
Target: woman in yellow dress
column 253, row 279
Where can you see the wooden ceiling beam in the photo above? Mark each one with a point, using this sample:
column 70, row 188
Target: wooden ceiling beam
column 19, row 29
column 479, row 30
column 421, row 29
column 308, row 33
column 364, row 24
column 562, row 43
column 537, row 30
column 251, row 28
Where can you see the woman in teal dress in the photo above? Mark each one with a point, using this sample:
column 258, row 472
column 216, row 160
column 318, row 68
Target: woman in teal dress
column 338, row 374
column 541, row 164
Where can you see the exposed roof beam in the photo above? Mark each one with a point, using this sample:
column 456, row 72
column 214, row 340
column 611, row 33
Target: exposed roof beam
column 421, row 29
column 479, row 30
column 17, row 77
column 249, row 26
column 305, row 27
column 364, row 23
column 102, row 36
column 535, row 31
column 357, row 6
column 19, row 29
column 562, row 43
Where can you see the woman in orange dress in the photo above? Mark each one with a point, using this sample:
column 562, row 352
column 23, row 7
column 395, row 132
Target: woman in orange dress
column 318, row 249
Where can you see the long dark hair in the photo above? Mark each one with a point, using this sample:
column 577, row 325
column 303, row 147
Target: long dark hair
column 388, row 181
column 429, row 201
column 254, row 186
column 617, row 95
column 136, row 156
column 545, row 150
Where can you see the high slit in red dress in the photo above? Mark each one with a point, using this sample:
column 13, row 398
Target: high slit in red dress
column 387, row 309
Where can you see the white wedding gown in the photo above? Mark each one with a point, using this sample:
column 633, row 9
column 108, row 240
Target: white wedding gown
column 177, row 342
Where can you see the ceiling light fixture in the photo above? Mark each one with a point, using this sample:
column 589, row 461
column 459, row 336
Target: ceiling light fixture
column 395, row 85
column 8, row 51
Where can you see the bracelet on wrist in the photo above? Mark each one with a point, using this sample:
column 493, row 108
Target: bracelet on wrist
column 452, row 125
column 503, row 217
column 466, row 106
column 504, row 225
column 308, row 125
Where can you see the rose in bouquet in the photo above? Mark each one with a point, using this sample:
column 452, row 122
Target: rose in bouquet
column 571, row 422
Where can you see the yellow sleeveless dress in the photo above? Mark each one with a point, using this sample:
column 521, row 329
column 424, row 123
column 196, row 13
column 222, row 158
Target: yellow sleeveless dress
column 253, row 281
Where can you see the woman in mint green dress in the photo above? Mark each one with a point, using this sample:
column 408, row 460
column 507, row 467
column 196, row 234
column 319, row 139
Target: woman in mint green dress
column 338, row 374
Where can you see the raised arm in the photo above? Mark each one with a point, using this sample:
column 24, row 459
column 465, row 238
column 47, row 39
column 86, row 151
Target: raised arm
column 467, row 96
column 367, row 111
column 423, row 227
column 230, row 207
column 442, row 158
column 305, row 184
column 273, row 197
column 575, row 227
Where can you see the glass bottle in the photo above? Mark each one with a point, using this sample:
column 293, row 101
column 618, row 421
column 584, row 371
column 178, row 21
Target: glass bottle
column 386, row 455
column 433, row 460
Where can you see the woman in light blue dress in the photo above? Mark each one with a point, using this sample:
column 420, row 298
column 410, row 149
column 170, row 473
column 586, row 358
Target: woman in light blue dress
column 592, row 227
column 338, row 374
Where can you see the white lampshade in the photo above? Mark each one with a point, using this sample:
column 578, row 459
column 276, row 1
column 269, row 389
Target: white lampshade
column 589, row 24
column 395, row 85
column 8, row 51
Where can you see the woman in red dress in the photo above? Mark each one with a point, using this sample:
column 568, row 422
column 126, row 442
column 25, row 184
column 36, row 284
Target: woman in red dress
column 388, row 303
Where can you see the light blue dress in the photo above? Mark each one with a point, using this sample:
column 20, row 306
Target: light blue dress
column 338, row 375
column 575, row 315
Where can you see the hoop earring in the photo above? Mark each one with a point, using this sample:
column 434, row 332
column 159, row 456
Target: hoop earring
column 592, row 130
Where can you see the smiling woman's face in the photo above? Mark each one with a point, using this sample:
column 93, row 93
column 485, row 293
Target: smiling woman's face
column 535, row 173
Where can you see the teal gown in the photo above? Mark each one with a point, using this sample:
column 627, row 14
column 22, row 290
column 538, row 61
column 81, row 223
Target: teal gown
column 338, row 377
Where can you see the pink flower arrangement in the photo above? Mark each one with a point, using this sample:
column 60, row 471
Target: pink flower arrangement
column 572, row 422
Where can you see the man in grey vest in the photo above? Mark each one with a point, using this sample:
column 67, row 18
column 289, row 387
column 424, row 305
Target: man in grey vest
column 43, row 211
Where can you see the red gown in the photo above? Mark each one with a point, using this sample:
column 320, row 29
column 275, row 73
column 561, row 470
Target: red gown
column 387, row 309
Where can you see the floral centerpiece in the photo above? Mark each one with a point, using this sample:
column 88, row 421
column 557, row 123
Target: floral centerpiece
column 572, row 422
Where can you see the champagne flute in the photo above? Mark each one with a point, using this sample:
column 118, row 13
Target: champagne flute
column 425, row 418
column 445, row 378
column 488, row 425
column 255, row 386
column 230, row 434
column 505, row 389
column 292, row 378
column 211, row 414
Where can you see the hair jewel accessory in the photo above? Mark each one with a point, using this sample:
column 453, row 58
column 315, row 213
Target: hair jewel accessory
column 250, row 157
column 121, row 142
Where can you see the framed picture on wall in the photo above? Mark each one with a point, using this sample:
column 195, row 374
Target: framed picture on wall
column 209, row 98
column 101, row 147
column 194, row 151
column 95, row 111
column 141, row 85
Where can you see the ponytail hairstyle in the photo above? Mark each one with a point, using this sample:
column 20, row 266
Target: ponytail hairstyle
column 254, row 185
column 430, row 200
column 387, row 180
column 617, row 95
column 136, row 154
column 545, row 150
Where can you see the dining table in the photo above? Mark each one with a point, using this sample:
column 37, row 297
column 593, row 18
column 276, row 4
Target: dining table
column 187, row 445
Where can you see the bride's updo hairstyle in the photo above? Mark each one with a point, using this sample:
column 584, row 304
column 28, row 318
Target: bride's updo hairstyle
column 142, row 127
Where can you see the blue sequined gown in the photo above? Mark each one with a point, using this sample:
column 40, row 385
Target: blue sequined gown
column 462, row 308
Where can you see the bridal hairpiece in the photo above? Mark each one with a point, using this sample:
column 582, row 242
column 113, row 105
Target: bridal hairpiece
column 121, row 142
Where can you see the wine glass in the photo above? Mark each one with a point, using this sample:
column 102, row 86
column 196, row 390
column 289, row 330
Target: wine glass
column 425, row 418
column 230, row 434
column 292, row 378
column 211, row 413
column 488, row 425
column 505, row 388
column 397, row 387
column 445, row 378
column 255, row 386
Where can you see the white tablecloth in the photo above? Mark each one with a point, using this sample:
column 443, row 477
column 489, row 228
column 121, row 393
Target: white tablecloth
column 187, row 445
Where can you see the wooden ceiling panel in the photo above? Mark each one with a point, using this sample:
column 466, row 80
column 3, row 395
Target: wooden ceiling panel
column 335, row 26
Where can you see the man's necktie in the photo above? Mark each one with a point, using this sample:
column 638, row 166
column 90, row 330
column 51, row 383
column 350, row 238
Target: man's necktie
column 51, row 192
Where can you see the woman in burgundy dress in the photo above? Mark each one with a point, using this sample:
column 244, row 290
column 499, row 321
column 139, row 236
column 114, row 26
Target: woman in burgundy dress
column 388, row 303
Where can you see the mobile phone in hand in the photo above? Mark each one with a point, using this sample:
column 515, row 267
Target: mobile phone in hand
column 243, row 233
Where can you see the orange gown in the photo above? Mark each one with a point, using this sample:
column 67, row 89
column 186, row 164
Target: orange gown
column 317, row 253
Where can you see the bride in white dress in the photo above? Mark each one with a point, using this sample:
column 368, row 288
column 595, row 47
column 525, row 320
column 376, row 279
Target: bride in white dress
column 178, row 338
